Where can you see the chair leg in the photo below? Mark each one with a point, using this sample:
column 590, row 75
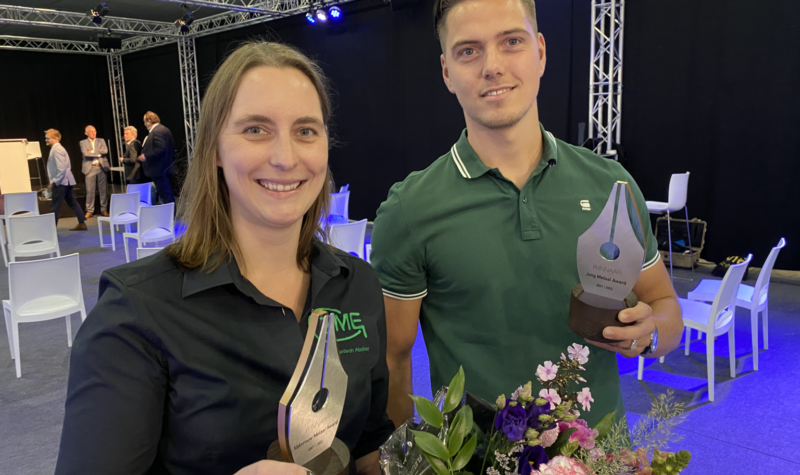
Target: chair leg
column 765, row 323
column 641, row 368
column 9, row 332
column 15, row 335
column 732, row 349
column 688, row 341
column 113, row 240
column 689, row 235
column 662, row 359
column 125, row 241
column 69, row 330
column 710, row 365
column 83, row 313
column 754, row 335
column 669, row 244
column 100, row 231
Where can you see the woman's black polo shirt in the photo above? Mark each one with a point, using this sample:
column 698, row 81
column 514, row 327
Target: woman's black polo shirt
column 181, row 372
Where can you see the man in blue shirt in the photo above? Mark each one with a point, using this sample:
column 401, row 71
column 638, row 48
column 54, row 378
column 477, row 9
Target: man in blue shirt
column 61, row 179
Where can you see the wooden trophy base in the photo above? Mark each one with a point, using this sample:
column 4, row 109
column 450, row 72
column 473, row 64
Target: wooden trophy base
column 334, row 461
column 589, row 320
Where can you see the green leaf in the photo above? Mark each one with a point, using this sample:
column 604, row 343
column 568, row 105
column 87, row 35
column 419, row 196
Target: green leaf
column 454, row 391
column 431, row 444
column 461, row 428
column 466, row 453
column 569, row 448
column 604, row 426
column 563, row 437
column 428, row 411
column 438, row 466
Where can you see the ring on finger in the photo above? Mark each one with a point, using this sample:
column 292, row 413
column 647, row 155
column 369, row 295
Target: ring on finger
column 632, row 347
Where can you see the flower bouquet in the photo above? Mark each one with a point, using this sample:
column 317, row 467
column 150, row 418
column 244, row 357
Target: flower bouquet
column 531, row 433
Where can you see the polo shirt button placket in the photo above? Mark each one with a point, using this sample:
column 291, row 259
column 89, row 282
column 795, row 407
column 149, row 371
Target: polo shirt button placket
column 524, row 199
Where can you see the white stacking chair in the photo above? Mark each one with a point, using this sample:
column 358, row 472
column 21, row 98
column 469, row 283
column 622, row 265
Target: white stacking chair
column 124, row 209
column 340, row 203
column 678, row 189
column 349, row 237
column 145, row 196
column 714, row 320
column 156, row 224
column 142, row 252
column 344, row 188
column 16, row 204
column 32, row 235
column 755, row 299
column 42, row 290
column 368, row 252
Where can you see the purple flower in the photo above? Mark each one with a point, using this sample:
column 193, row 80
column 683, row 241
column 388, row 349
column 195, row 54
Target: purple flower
column 531, row 458
column 534, row 412
column 512, row 421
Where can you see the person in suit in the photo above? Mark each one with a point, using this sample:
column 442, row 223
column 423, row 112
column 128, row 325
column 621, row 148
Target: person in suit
column 61, row 179
column 158, row 153
column 95, row 167
column 134, row 173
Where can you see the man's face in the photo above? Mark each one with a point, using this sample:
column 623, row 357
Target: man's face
column 91, row 132
column 128, row 135
column 492, row 61
column 50, row 140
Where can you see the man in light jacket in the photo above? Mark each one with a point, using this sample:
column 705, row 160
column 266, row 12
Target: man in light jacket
column 95, row 167
column 61, row 179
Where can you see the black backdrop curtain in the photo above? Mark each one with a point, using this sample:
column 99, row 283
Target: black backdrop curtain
column 713, row 88
column 67, row 92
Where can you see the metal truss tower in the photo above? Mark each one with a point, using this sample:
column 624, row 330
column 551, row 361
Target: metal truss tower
column 605, row 82
column 119, row 104
column 187, row 56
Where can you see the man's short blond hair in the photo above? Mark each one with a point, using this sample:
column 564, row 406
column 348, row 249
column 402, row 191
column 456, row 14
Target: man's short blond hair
column 52, row 133
column 152, row 117
column 132, row 130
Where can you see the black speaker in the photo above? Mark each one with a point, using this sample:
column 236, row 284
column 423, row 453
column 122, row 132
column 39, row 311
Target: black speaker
column 109, row 41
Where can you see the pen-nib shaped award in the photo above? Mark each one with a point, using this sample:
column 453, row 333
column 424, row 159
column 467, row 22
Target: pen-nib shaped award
column 610, row 258
column 311, row 407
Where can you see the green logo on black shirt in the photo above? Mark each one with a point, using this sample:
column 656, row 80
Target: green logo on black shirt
column 348, row 325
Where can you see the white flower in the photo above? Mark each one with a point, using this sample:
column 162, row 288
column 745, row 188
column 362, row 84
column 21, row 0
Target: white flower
column 579, row 352
column 585, row 398
column 547, row 372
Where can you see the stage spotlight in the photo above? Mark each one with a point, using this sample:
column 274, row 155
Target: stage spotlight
column 99, row 12
column 310, row 18
column 321, row 15
column 335, row 13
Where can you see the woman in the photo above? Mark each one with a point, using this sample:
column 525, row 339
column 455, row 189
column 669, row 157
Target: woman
column 180, row 367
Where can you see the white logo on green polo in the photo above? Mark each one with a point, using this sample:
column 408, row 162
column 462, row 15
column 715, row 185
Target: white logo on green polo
column 348, row 325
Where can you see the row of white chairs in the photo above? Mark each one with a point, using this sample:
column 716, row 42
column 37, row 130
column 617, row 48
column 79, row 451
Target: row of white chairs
column 718, row 317
column 154, row 224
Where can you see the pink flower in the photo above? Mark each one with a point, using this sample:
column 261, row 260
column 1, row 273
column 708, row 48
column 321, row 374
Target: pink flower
column 552, row 396
column 547, row 372
column 549, row 437
column 561, row 466
column 585, row 398
column 584, row 436
column 515, row 394
column 578, row 352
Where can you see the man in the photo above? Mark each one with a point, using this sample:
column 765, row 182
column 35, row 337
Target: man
column 61, row 179
column 95, row 167
column 134, row 173
column 480, row 248
column 158, row 153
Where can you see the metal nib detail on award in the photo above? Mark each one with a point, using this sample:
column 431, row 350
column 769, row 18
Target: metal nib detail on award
column 310, row 409
column 610, row 258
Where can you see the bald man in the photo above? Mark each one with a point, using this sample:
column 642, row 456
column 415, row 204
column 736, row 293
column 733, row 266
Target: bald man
column 95, row 167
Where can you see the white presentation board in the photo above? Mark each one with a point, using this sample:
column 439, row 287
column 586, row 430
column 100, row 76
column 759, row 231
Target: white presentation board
column 14, row 174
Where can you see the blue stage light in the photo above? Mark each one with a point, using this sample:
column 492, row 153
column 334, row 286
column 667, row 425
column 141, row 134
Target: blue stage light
column 335, row 13
column 310, row 18
column 321, row 15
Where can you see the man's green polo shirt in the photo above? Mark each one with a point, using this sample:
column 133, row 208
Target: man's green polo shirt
column 495, row 265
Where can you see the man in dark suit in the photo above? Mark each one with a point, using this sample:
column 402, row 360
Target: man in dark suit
column 134, row 174
column 158, row 154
